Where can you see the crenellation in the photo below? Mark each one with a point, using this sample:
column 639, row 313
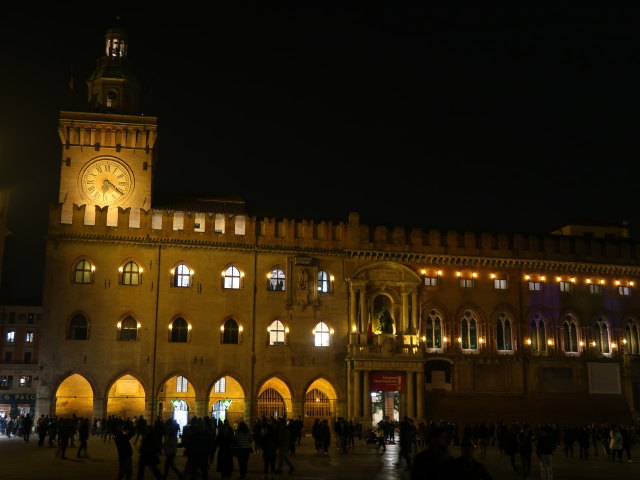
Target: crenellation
column 416, row 238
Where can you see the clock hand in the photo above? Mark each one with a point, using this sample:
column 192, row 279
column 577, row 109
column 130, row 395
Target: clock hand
column 115, row 188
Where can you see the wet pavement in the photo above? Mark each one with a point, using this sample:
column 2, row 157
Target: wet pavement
column 19, row 460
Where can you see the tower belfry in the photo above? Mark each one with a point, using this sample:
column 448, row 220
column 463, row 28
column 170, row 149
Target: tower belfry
column 112, row 86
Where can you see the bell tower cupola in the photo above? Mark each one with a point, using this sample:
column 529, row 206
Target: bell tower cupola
column 113, row 88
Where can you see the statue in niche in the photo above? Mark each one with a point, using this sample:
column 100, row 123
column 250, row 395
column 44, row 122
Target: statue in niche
column 385, row 322
column 303, row 282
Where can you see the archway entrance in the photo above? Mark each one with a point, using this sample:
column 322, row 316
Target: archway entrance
column 126, row 397
column 74, row 396
column 274, row 399
column 177, row 399
column 319, row 402
column 226, row 400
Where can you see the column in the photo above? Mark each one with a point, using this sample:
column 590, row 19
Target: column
column 99, row 407
column 150, row 410
column 366, row 389
column 363, row 310
column 352, row 309
column 414, row 311
column 420, row 395
column 297, row 407
column 201, row 407
column 405, row 314
column 357, row 394
column 411, row 404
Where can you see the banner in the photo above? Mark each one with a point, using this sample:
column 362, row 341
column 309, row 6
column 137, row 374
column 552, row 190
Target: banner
column 387, row 382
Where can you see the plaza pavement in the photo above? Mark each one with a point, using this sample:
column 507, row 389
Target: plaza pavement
column 19, row 460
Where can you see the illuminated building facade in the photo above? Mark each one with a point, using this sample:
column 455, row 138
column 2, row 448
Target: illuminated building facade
column 183, row 308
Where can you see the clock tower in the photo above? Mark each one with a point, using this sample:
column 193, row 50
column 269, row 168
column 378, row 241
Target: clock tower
column 108, row 151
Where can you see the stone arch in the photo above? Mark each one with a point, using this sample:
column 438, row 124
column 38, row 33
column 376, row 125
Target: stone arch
column 233, row 392
column 74, row 396
column 320, row 401
column 403, row 273
column 126, row 396
column 169, row 396
column 272, row 391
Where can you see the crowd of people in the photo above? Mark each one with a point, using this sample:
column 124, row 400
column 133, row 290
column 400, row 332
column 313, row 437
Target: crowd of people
column 424, row 448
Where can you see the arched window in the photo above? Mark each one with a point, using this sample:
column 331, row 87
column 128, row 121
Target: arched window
column 433, row 330
column 112, row 97
column 277, row 333
column 570, row 334
column 83, row 272
column 631, row 334
column 503, row 332
column 230, row 332
column 601, row 336
column 276, row 280
column 469, row 327
column 78, row 328
column 232, row 277
column 179, row 330
column 182, row 276
column 538, row 333
column 322, row 335
column 324, row 284
column 128, row 330
column 131, row 274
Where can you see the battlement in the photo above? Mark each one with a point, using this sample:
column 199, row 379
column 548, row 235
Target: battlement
column 270, row 233
column 107, row 130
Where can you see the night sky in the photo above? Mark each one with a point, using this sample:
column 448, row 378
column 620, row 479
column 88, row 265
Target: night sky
column 467, row 118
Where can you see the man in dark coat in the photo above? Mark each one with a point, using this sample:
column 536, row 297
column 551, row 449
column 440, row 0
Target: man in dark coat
column 125, row 452
column 432, row 462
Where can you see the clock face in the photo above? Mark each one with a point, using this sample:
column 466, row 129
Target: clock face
column 106, row 181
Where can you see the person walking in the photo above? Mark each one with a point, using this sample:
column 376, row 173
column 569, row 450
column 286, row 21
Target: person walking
column 283, row 440
column 525, row 445
column 83, row 436
column 380, row 437
column 149, row 455
column 226, row 442
column 170, row 447
column 545, row 446
column 269, row 447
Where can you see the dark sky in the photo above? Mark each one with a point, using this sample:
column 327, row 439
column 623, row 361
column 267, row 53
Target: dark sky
column 468, row 118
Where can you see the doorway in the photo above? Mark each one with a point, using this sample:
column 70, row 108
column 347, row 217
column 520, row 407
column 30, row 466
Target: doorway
column 181, row 413
column 385, row 406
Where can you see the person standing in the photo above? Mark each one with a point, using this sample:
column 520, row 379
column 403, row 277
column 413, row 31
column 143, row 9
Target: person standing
column 325, row 436
column 380, row 437
column 545, row 446
column 65, row 430
column 525, row 444
column 405, row 440
column 125, row 452
column 615, row 443
column 243, row 443
column 315, row 433
column 226, row 442
column 432, row 462
column 27, row 423
column 466, row 467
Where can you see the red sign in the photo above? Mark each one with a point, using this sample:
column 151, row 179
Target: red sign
column 387, row 382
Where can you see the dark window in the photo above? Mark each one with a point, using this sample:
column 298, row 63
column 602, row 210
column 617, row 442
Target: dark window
column 595, row 289
column 503, row 332
column 179, row 330
column 433, row 330
column 570, row 334
column 8, row 357
column 27, row 357
column 466, row 282
column 6, row 381
column 78, row 328
column 128, row 330
column 230, row 334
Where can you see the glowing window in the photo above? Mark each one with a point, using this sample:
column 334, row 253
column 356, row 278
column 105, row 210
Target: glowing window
column 500, row 283
column 220, row 386
column 182, row 385
column 182, row 276
column 322, row 335
column 538, row 333
column 503, row 332
column 131, row 274
column 276, row 280
column 469, row 328
column 82, row 272
column 277, row 333
column 232, row 278
column 11, row 336
column 535, row 286
column 433, row 330
column 324, row 284
column 29, row 336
